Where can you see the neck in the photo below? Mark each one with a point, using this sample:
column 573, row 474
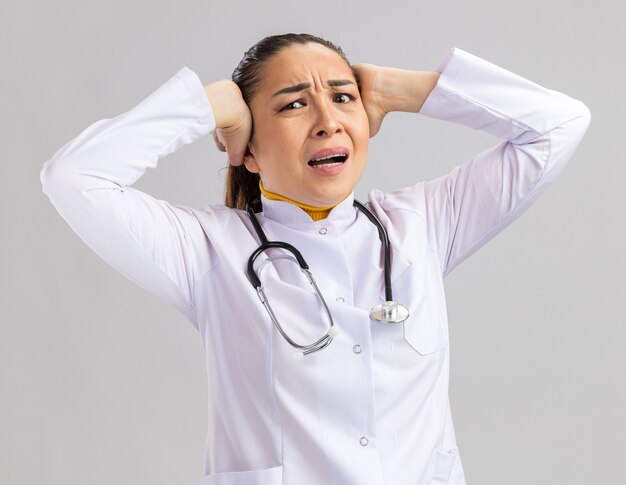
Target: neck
column 316, row 213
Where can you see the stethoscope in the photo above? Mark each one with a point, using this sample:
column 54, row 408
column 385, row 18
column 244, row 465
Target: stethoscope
column 387, row 312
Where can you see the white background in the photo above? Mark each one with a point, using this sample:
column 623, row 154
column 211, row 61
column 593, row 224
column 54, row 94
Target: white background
column 102, row 383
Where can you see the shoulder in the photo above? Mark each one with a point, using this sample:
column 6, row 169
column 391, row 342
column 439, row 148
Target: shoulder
column 214, row 218
column 409, row 199
column 403, row 214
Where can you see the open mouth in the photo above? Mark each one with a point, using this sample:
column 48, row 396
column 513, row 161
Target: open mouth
column 329, row 160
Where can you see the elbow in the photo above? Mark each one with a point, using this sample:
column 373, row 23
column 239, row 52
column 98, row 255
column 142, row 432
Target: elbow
column 45, row 176
column 551, row 152
column 51, row 178
column 565, row 139
column 571, row 133
column 57, row 181
column 579, row 125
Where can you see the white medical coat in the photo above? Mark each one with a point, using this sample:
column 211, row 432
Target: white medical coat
column 372, row 408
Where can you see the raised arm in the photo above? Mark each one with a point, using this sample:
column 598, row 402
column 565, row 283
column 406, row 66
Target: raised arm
column 161, row 247
column 541, row 129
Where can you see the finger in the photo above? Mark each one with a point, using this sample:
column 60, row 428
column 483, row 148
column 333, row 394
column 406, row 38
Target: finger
column 374, row 127
column 375, row 119
column 235, row 156
column 220, row 146
column 236, row 140
column 375, row 124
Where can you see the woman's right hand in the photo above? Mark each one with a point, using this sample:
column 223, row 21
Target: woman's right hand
column 233, row 121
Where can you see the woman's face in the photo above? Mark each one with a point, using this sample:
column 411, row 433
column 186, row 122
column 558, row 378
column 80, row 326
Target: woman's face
column 307, row 107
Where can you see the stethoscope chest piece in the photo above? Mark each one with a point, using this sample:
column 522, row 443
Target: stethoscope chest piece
column 389, row 312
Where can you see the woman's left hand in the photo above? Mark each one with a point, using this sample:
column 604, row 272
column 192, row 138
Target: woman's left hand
column 387, row 89
column 371, row 95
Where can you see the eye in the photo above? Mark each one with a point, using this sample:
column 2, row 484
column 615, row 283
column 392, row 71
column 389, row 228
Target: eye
column 293, row 105
column 344, row 98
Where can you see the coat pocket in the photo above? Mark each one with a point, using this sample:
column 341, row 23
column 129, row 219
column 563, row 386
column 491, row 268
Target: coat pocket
column 266, row 476
column 424, row 333
column 448, row 469
column 420, row 288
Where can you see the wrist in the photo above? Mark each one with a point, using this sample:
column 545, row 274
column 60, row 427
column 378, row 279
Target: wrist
column 405, row 90
column 223, row 96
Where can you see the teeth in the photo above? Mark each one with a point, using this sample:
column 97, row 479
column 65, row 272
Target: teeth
column 329, row 156
column 328, row 164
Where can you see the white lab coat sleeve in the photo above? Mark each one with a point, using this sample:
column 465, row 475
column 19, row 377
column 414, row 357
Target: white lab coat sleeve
column 160, row 247
column 541, row 128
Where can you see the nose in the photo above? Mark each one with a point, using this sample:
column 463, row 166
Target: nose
column 326, row 123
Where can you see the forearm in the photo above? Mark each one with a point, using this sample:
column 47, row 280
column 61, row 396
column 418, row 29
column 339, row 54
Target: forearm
column 225, row 99
column 540, row 129
column 233, row 121
column 116, row 152
column 405, row 90
column 89, row 181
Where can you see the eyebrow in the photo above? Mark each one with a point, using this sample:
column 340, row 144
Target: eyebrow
column 302, row 86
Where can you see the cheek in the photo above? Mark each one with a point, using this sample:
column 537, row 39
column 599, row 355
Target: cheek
column 365, row 131
column 277, row 138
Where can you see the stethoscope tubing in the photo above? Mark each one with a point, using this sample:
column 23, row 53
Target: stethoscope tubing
column 388, row 312
column 384, row 238
column 265, row 244
column 256, row 282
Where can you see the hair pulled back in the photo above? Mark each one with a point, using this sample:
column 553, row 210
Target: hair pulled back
column 242, row 185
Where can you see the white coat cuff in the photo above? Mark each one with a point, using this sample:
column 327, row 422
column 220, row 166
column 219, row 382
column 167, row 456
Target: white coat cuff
column 198, row 97
column 483, row 96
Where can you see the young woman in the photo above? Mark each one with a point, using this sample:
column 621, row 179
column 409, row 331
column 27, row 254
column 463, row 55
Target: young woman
column 367, row 401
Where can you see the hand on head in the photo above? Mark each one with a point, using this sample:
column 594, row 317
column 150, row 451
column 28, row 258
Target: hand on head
column 371, row 95
column 232, row 119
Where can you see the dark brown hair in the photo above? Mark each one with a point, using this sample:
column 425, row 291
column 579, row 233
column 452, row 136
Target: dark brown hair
column 242, row 185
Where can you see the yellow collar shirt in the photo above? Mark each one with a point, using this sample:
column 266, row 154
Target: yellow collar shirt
column 372, row 408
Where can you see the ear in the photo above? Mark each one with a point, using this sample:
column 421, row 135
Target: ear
column 249, row 161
